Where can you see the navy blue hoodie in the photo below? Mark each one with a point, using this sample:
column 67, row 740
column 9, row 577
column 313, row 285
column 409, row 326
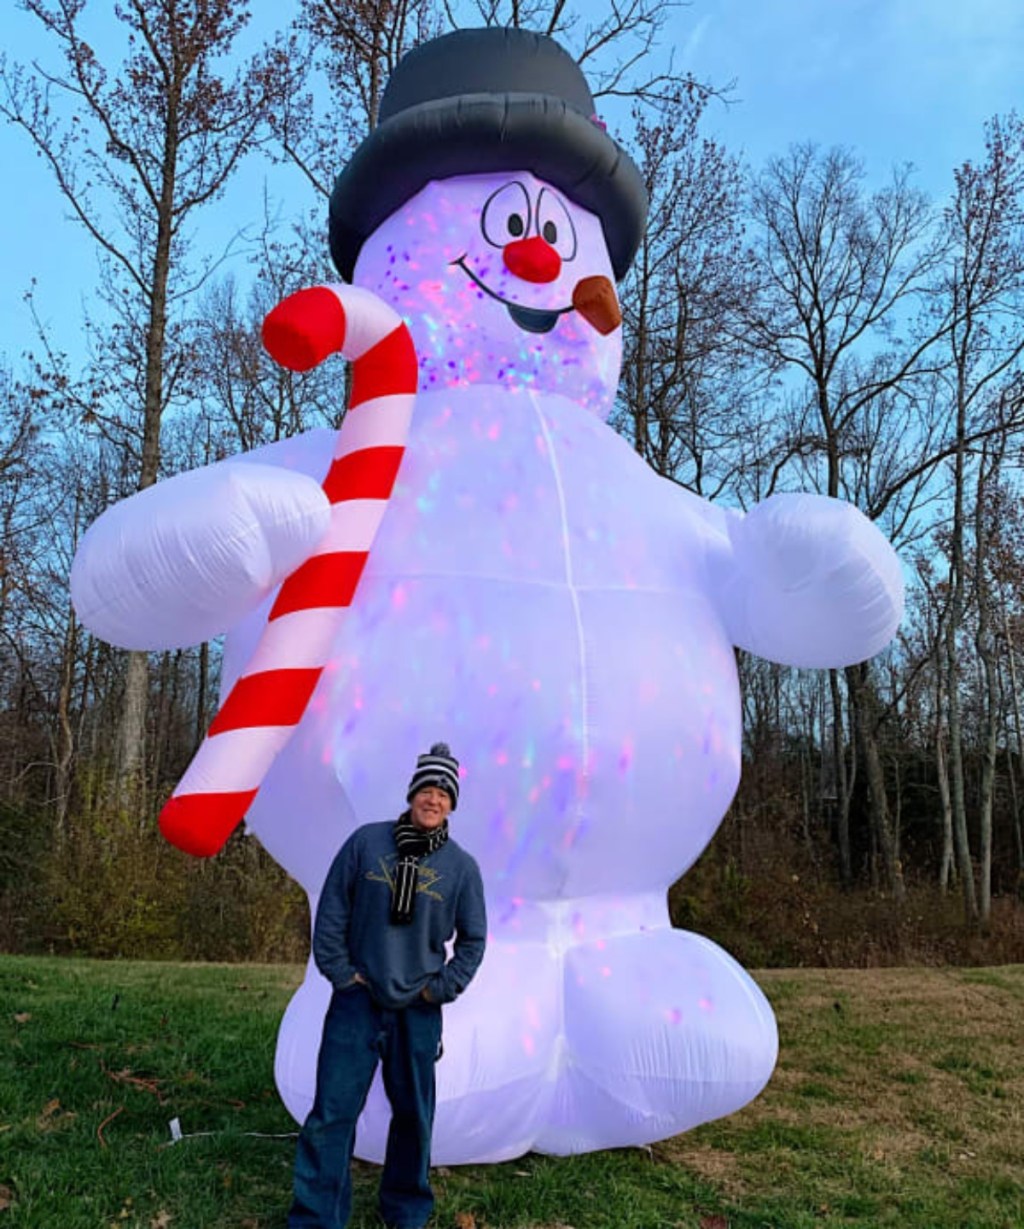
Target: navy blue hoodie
column 353, row 932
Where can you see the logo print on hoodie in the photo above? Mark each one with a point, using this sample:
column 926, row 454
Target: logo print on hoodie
column 425, row 882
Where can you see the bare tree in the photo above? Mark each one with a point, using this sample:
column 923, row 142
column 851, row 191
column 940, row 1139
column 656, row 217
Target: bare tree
column 245, row 398
column 985, row 514
column 22, row 459
column 618, row 44
column 340, row 54
column 136, row 150
column 351, row 47
column 983, row 281
column 686, row 394
column 923, row 656
column 24, row 532
column 837, row 268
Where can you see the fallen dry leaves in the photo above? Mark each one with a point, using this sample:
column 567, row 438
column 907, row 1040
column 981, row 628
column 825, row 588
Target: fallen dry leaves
column 127, row 1076
column 106, row 1122
column 52, row 1115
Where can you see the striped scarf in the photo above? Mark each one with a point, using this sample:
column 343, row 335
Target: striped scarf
column 412, row 844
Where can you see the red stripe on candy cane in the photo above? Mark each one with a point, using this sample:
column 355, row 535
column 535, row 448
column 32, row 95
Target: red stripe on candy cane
column 272, row 697
column 268, row 700
column 388, row 367
column 324, row 580
column 368, row 474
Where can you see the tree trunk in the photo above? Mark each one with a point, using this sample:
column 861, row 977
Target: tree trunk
column 844, row 785
column 65, row 740
column 163, row 718
column 129, row 786
column 1018, row 834
column 865, row 704
column 984, row 643
column 988, row 776
column 942, row 773
column 961, row 842
column 204, row 670
column 953, row 622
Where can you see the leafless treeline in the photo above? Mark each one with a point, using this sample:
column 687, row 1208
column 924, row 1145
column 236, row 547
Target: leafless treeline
column 787, row 327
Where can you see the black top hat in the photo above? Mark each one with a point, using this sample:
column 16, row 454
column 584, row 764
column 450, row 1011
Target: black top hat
column 477, row 101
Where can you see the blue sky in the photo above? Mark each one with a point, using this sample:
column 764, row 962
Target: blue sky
column 895, row 80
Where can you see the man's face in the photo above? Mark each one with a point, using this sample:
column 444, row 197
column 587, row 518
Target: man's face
column 430, row 807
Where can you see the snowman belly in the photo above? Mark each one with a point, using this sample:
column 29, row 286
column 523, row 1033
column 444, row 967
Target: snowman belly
column 550, row 623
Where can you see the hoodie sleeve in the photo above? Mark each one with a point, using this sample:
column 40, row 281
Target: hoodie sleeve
column 470, row 939
column 330, row 931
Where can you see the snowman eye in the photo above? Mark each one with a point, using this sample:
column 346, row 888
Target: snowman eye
column 555, row 225
column 506, row 214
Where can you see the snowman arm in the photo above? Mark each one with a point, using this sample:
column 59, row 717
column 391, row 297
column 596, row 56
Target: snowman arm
column 188, row 557
column 806, row 580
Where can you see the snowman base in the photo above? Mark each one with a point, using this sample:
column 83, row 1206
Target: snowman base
column 571, row 1040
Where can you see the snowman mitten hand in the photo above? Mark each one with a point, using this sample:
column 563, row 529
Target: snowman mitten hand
column 814, row 582
column 188, row 557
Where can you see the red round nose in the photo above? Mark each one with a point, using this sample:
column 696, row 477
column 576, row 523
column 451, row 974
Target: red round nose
column 534, row 259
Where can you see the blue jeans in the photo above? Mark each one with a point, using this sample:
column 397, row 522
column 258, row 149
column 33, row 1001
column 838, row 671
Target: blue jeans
column 357, row 1035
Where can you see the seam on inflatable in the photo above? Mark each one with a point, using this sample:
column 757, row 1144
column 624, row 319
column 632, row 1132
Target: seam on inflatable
column 404, row 574
column 561, row 1050
column 570, row 582
column 557, row 1064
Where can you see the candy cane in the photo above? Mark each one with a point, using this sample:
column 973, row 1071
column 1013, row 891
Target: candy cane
column 266, row 703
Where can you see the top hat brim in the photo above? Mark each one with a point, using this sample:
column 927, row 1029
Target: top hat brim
column 479, row 134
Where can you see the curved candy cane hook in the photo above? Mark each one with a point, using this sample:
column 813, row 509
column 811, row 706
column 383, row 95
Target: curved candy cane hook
column 269, row 698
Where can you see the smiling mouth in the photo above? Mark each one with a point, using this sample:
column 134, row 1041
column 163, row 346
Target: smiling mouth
column 532, row 319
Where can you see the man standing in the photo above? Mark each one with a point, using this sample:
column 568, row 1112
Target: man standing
column 395, row 894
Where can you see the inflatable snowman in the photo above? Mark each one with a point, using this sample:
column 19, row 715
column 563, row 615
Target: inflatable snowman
column 478, row 557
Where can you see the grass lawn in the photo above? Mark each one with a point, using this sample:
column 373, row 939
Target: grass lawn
column 898, row 1101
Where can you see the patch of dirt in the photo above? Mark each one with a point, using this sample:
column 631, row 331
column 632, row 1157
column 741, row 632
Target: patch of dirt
column 720, row 1168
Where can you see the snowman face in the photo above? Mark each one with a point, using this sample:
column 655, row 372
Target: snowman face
column 484, row 269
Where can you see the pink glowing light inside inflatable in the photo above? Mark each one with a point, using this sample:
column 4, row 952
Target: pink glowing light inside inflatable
column 566, row 620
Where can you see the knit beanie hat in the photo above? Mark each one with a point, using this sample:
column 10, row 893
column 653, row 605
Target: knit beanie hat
column 436, row 767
